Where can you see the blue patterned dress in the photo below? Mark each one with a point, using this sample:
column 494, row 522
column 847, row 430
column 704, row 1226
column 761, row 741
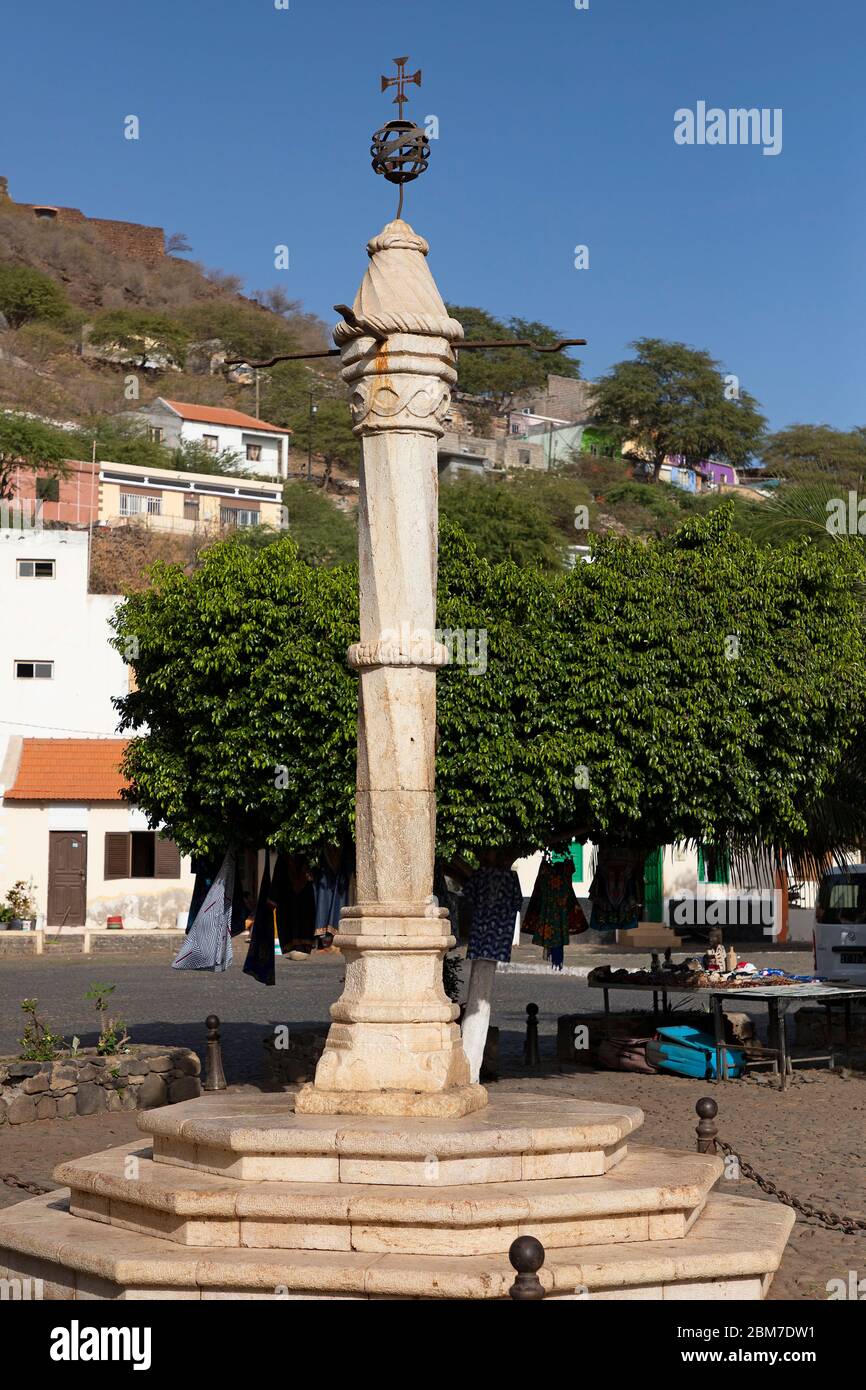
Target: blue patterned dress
column 495, row 897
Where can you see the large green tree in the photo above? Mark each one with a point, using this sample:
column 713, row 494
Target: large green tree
column 31, row 444
column 701, row 687
column 500, row 374
column 142, row 333
column 817, row 455
column 673, row 399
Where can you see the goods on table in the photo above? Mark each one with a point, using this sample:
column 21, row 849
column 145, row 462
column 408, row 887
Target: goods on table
column 710, row 971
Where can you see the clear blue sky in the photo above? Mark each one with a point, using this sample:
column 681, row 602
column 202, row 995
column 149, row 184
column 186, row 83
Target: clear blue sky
column 556, row 128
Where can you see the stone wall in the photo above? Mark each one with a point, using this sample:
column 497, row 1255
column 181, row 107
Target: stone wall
column 129, row 239
column 54, row 942
column 143, row 1078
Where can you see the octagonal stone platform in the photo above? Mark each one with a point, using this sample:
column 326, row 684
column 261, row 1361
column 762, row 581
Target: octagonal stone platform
column 237, row 1197
column 515, row 1138
column 649, row 1196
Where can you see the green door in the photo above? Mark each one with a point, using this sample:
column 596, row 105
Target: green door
column 653, row 894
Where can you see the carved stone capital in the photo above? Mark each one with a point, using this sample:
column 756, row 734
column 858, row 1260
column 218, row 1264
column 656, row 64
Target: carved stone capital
column 402, row 384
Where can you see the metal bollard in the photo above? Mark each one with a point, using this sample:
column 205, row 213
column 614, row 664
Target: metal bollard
column 527, row 1256
column 214, row 1076
column 530, row 1047
column 707, row 1129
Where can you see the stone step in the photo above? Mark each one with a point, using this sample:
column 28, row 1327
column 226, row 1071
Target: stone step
column 653, row 1194
column 520, row 1136
column 731, row 1252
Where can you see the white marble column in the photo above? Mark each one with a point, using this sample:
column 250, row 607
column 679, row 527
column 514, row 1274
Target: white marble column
column 394, row 1046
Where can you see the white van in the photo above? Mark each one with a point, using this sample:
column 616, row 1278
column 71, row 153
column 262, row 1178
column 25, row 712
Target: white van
column 839, row 937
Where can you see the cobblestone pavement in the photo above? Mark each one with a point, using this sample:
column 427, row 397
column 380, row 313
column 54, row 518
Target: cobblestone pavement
column 808, row 1139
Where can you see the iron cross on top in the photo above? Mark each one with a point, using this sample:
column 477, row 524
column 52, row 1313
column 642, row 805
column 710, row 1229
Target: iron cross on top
column 400, row 82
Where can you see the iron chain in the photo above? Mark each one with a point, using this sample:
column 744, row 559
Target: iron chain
column 36, row 1189
column 831, row 1219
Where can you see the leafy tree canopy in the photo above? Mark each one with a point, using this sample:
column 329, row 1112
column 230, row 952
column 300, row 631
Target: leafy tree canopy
column 504, row 373
column 119, row 439
column 245, row 330
column 27, row 294
column 503, row 522
column 817, row 454
column 671, row 399
column 323, row 534
column 704, row 688
column 141, row 332
column 31, row 444
column 289, row 392
column 193, row 456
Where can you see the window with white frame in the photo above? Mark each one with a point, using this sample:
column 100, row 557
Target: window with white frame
column 35, row 569
column 254, row 453
column 34, row 670
column 238, row 516
column 137, row 504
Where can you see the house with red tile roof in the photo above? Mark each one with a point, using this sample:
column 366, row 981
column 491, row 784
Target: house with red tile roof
column 90, row 854
column 260, row 447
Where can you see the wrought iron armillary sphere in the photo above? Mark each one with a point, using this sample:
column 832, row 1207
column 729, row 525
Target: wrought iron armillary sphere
column 401, row 151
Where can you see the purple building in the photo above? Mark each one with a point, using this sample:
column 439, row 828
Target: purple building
column 714, row 474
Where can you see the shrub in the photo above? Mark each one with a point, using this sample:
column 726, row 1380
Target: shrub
column 27, row 294
column 38, row 1044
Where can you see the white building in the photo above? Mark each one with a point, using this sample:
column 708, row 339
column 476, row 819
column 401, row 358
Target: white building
column 261, row 447
column 64, row 824
column 58, row 672
column 685, row 873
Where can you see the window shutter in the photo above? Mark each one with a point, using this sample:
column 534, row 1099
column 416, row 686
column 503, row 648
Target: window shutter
column 166, row 858
column 117, row 853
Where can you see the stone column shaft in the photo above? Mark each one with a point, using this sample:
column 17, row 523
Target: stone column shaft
column 394, row 1046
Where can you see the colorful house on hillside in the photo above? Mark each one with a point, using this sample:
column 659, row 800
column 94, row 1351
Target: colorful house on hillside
column 712, row 473
column 160, row 498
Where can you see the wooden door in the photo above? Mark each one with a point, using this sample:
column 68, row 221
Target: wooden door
column 67, row 878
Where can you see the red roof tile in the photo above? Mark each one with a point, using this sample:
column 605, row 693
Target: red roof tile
column 69, row 769
column 217, row 415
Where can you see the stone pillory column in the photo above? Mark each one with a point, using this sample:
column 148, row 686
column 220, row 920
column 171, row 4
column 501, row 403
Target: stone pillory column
column 394, row 1046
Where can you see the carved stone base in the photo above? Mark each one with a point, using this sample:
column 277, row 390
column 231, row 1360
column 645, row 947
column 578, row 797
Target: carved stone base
column 433, row 1105
column 394, row 1031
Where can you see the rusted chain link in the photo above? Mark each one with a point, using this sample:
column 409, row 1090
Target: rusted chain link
column 831, row 1219
column 36, row 1189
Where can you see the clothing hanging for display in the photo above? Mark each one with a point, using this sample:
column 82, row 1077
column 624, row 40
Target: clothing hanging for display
column 260, row 961
column 208, row 944
column 205, row 871
column 554, row 914
column 495, row 898
column 332, row 879
column 293, row 898
column 616, row 892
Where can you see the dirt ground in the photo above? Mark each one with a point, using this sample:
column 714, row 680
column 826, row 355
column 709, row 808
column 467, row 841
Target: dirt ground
column 809, row 1140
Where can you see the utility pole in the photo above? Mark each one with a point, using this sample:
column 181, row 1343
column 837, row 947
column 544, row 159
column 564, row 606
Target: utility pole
column 313, row 412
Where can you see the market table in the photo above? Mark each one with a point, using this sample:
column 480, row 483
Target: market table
column 774, row 996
